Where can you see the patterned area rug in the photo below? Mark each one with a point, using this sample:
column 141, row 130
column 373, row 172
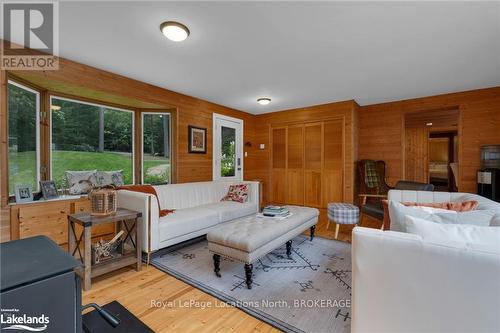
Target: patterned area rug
column 311, row 292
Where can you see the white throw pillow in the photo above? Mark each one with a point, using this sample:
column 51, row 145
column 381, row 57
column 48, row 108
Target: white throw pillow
column 105, row 178
column 81, row 182
column 453, row 233
column 398, row 211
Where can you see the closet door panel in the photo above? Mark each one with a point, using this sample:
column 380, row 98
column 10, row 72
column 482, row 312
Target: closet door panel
column 312, row 195
column 295, row 165
column 333, row 161
column 278, row 173
column 332, row 186
column 313, row 141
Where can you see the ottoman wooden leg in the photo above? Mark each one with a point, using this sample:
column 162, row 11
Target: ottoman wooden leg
column 289, row 249
column 337, row 226
column 312, row 229
column 248, row 275
column 217, row 265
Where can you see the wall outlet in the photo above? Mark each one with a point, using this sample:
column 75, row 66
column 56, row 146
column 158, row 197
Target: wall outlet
column 262, row 146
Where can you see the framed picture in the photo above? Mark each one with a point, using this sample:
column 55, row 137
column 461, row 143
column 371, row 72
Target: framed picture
column 24, row 193
column 49, row 190
column 197, row 140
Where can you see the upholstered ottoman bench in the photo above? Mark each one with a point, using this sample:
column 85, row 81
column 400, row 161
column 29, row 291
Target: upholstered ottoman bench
column 249, row 238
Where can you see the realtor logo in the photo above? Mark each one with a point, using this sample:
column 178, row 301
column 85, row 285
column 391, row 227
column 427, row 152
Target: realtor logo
column 29, row 35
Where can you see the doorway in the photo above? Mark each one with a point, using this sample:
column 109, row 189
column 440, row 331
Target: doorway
column 431, row 148
column 227, row 148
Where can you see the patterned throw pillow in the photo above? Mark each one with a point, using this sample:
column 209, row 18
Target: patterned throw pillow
column 81, row 182
column 105, row 178
column 238, row 193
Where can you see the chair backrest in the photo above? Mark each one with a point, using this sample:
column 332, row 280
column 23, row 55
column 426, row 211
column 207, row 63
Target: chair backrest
column 363, row 187
column 454, row 176
column 415, row 186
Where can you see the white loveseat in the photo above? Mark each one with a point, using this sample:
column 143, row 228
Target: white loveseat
column 402, row 283
column 429, row 196
column 198, row 208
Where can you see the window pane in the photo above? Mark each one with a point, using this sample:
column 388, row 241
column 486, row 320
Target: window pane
column 228, row 160
column 156, row 148
column 22, row 132
column 90, row 137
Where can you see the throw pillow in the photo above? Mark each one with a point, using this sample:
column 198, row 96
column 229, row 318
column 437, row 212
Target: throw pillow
column 105, row 178
column 237, row 192
column 446, row 233
column 457, row 206
column 81, row 182
column 398, row 211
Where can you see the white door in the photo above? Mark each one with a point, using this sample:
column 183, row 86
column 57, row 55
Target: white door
column 227, row 148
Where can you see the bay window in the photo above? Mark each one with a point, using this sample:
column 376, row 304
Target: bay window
column 88, row 136
column 23, row 133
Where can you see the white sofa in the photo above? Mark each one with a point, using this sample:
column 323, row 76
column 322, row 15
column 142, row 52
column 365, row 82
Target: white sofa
column 402, row 283
column 429, row 196
column 197, row 209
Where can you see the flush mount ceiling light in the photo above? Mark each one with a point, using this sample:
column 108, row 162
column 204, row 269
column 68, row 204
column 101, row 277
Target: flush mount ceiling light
column 428, row 124
column 174, row 31
column 263, row 100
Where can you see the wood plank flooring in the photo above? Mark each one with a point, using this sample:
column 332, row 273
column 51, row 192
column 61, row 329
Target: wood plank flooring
column 137, row 290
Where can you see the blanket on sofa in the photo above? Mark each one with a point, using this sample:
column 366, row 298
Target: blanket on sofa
column 148, row 189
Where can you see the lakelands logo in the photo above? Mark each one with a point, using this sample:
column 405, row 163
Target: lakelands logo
column 30, row 35
column 14, row 321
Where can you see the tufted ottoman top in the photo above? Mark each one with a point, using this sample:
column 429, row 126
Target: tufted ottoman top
column 251, row 232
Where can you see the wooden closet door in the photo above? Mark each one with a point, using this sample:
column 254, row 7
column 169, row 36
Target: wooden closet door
column 417, row 154
column 333, row 161
column 313, row 164
column 278, row 176
column 295, row 165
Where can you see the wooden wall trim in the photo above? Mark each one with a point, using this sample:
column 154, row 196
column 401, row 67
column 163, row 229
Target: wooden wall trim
column 4, row 181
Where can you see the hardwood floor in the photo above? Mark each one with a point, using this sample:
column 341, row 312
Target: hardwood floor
column 137, row 290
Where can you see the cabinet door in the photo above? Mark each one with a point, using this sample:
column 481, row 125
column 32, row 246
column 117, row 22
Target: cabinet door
column 333, row 138
column 313, row 141
column 295, row 165
column 278, row 176
column 49, row 219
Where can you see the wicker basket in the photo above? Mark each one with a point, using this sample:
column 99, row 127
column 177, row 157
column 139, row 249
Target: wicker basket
column 103, row 201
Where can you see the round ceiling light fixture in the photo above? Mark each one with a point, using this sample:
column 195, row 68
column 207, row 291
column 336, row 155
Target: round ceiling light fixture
column 263, row 100
column 174, row 31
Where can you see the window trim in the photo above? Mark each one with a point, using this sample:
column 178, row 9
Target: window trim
column 142, row 140
column 37, row 135
column 51, row 96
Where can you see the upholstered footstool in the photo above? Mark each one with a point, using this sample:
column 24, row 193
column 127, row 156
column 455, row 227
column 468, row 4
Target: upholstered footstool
column 342, row 213
column 249, row 238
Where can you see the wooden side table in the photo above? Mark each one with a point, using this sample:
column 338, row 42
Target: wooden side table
column 124, row 219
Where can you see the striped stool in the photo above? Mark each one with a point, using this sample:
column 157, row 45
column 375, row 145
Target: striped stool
column 342, row 213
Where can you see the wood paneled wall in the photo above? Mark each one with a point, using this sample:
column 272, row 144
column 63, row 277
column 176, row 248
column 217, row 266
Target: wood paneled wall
column 113, row 88
column 381, row 130
column 258, row 161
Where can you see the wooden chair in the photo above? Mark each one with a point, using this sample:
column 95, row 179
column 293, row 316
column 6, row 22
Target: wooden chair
column 372, row 192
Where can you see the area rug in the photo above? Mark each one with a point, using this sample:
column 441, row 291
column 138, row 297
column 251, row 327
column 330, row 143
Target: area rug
column 310, row 292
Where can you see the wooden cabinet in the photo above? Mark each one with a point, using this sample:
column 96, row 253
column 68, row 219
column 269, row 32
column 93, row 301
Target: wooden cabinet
column 307, row 163
column 50, row 218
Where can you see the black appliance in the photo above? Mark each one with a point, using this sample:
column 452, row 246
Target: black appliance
column 488, row 178
column 39, row 289
column 488, row 184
